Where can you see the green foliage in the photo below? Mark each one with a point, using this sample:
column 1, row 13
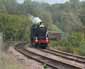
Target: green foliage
column 53, row 43
column 75, row 43
column 66, row 16
column 14, row 27
column 82, row 47
column 45, row 66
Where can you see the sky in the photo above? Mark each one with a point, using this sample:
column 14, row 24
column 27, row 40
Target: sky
column 20, row 1
column 47, row 1
column 52, row 1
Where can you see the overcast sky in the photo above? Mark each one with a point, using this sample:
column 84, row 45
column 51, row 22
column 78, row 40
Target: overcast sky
column 48, row 1
column 52, row 1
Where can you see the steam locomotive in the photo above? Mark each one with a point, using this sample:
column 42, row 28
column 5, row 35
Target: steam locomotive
column 39, row 36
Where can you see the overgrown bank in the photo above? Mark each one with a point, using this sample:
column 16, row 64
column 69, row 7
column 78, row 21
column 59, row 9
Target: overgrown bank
column 14, row 27
column 74, row 43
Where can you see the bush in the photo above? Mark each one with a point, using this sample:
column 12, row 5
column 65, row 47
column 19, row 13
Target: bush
column 75, row 43
column 82, row 48
column 15, row 27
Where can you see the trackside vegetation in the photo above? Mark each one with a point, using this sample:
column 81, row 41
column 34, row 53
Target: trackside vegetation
column 14, row 27
column 74, row 43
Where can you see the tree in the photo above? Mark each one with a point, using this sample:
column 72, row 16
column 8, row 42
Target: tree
column 75, row 4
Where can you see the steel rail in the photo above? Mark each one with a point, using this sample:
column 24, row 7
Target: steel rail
column 57, row 53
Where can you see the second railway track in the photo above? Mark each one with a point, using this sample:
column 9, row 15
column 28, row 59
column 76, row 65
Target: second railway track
column 78, row 59
column 47, row 59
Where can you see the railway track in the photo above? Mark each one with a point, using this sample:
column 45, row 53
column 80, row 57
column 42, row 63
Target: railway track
column 36, row 57
column 77, row 56
column 65, row 55
column 45, row 59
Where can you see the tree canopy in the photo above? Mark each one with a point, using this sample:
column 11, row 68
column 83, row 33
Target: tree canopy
column 68, row 17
